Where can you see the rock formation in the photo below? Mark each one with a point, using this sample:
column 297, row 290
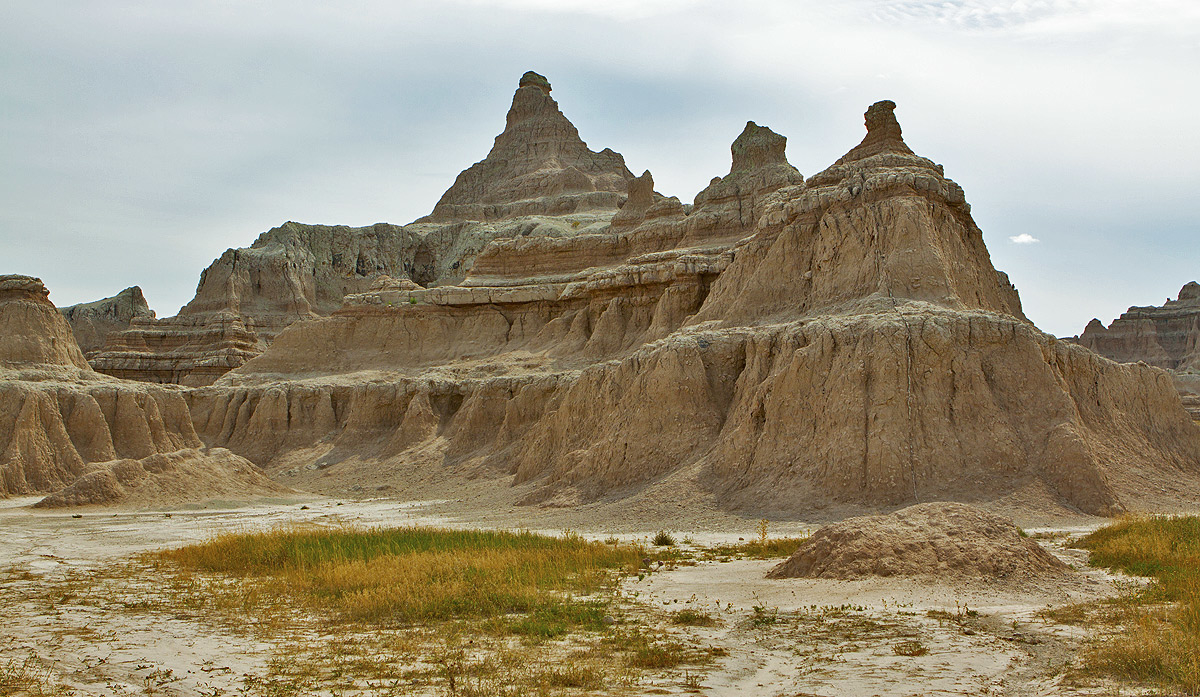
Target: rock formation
column 947, row 543
column 540, row 180
column 93, row 322
column 784, row 344
column 1167, row 337
column 60, row 421
column 538, row 166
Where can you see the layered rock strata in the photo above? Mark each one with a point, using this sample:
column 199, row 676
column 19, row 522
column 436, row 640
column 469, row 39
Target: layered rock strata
column 93, row 322
column 60, row 421
column 1167, row 336
column 539, row 181
column 784, row 345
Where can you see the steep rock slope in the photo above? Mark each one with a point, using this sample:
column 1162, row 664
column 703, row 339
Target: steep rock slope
column 539, row 181
column 538, row 166
column 91, row 323
column 60, row 421
column 783, row 345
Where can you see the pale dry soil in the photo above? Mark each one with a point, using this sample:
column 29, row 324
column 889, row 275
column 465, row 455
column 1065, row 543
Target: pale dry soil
column 83, row 617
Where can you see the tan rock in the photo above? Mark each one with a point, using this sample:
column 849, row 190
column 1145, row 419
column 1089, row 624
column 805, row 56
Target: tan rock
column 947, row 543
column 32, row 332
column 93, row 322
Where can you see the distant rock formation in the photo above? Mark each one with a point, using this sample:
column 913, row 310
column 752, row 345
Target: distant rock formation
column 784, row 345
column 538, row 166
column 1167, row 336
column 60, row 421
column 93, row 322
column 540, row 180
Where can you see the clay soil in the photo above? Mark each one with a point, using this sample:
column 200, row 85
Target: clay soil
column 891, row 636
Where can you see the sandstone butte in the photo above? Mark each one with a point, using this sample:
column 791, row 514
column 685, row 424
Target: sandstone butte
column 779, row 346
column 1167, row 337
column 90, row 438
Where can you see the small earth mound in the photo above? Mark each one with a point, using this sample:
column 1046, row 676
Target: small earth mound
column 951, row 542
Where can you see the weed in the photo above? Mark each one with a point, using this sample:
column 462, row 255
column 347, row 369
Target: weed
column 662, row 538
column 693, row 618
column 910, row 648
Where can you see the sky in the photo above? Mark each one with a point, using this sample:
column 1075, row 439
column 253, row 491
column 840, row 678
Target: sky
column 140, row 139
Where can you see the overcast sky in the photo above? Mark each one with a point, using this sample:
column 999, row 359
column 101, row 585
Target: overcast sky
column 141, row 139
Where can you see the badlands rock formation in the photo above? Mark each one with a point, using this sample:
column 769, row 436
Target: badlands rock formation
column 93, row 322
column 781, row 345
column 949, row 543
column 1166, row 336
column 539, row 180
column 60, row 421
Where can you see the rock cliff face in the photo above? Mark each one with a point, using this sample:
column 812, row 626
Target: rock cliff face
column 1167, row 336
column 60, row 421
column 783, row 345
column 93, row 322
column 539, row 181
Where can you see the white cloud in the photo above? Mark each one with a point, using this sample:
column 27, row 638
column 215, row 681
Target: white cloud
column 1024, row 238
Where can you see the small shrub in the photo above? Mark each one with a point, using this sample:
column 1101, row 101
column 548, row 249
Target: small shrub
column 662, row 538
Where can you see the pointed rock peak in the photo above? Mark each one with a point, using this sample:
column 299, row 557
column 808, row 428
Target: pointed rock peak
column 532, row 79
column 1094, row 326
column 1190, row 293
column 883, row 133
column 757, row 146
column 641, row 191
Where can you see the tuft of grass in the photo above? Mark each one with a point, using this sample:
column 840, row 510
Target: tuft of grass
column 693, row 618
column 416, row 574
column 662, row 538
column 29, row 677
column 1159, row 644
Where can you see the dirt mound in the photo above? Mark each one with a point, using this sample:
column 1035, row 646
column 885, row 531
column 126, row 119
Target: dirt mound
column 951, row 542
column 183, row 476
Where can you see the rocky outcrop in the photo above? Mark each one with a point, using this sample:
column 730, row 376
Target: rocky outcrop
column 32, row 332
column 1167, row 336
column 540, row 181
column 93, row 322
column 60, row 421
column 787, row 345
column 537, row 166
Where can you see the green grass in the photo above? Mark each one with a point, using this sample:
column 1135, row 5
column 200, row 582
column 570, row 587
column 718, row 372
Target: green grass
column 415, row 574
column 757, row 549
column 1161, row 639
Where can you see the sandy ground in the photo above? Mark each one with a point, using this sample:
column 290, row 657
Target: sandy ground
column 783, row 637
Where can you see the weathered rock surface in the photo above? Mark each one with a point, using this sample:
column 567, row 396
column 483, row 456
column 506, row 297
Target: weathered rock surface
column 948, row 543
column 32, row 332
column 540, row 181
column 1167, row 336
column 537, row 166
column 166, row 479
column 59, row 420
column 93, row 322
column 785, row 345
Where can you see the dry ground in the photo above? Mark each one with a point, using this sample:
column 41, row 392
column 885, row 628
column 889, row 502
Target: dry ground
column 80, row 617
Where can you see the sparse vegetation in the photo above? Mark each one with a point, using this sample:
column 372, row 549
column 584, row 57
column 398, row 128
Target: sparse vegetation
column 693, row 618
column 761, row 548
column 417, row 574
column 909, row 648
column 662, row 538
column 1157, row 636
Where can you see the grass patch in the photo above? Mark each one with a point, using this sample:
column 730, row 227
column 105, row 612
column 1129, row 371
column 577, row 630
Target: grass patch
column 662, row 538
column 29, row 677
column 1161, row 639
column 759, row 548
column 693, row 618
column 406, row 575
